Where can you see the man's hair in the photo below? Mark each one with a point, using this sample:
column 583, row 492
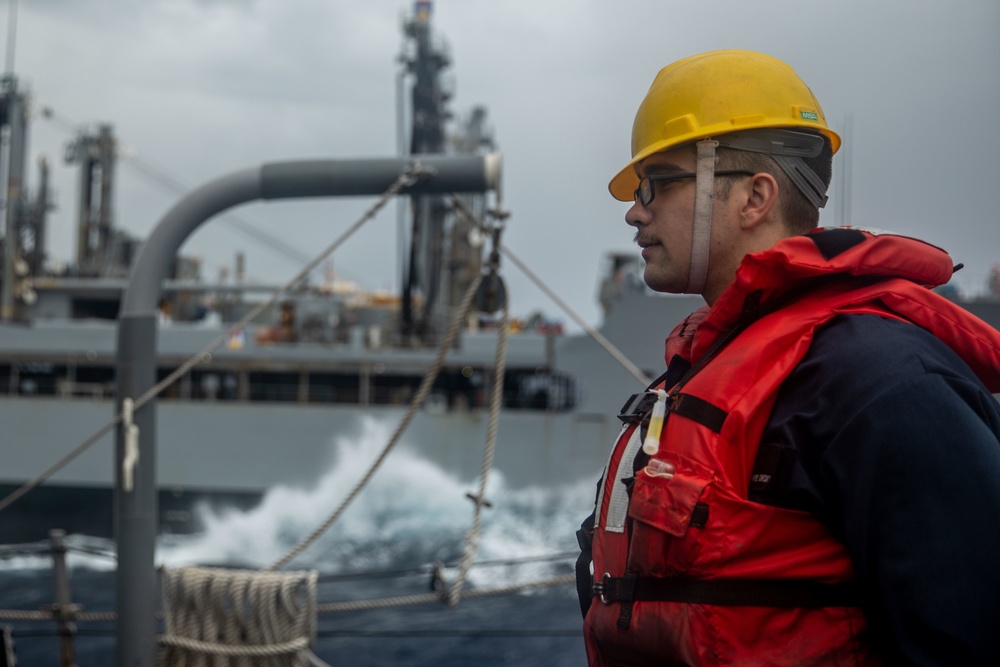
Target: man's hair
column 800, row 216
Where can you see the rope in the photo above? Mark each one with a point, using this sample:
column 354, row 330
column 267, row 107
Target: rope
column 29, row 615
column 335, row 607
column 496, row 401
column 596, row 335
column 96, row 616
column 22, row 615
column 440, row 596
column 382, row 603
column 425, row 570
column 290, row 647
column 254, row 617
column 412, row 174
column 418, row 399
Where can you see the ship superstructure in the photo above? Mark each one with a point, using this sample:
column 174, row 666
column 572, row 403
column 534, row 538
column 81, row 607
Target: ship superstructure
column 271, row 404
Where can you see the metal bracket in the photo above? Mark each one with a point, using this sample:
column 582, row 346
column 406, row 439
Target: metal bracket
column 131, row 458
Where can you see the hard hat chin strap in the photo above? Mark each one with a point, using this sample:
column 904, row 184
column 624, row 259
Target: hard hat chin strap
column 701, row 231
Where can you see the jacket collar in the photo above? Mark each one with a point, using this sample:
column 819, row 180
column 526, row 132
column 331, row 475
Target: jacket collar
column 794, row 262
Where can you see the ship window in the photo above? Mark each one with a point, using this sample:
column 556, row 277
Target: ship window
column 64, row 380
column 38, row 379
column 334, row 388
column 174, row 390
column 281, row 387
column 102, row 309
column 89, row 381
column 394, row 389
column 215, row 385
column 538, row 390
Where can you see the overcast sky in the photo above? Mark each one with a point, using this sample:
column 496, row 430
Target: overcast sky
column 201, row 88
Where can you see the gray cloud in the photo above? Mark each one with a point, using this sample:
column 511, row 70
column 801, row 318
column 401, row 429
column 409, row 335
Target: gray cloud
column 204, row 88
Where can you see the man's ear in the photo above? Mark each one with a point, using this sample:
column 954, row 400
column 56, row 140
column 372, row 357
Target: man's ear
column 761, row 192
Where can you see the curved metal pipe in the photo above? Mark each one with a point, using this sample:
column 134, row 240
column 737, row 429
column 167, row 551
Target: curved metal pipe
column 136, row 508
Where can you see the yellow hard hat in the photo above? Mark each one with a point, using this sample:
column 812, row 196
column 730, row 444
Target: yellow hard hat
column 717, row 93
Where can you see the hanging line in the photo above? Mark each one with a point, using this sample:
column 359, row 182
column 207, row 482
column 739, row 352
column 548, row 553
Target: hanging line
column 589, row 330
column 496, row 401
column 418, row 400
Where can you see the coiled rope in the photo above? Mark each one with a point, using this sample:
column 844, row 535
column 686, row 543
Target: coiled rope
column 249, row 618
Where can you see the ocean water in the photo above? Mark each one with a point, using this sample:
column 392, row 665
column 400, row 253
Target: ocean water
column 412, row 514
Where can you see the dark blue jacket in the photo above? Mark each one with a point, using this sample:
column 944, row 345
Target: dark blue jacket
column 890, row 439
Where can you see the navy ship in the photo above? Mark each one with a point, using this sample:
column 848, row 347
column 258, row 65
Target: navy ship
column 311, row 370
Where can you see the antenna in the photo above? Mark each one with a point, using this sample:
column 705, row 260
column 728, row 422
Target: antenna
column 846, row 150
column 11, row 35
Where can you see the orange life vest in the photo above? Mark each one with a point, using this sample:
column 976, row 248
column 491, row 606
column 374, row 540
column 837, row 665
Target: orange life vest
column 687, row 570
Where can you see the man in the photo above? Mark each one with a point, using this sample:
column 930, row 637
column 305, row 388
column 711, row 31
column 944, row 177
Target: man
column 815, row 480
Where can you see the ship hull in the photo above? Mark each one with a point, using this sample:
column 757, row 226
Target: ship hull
column 230, row 454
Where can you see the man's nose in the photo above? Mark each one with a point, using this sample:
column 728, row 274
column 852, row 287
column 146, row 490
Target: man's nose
column 637, row 215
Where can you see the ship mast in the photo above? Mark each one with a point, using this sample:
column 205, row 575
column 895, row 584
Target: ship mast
column 421, row 276
column 99, row 249
column 23, row 220
column 442, row 254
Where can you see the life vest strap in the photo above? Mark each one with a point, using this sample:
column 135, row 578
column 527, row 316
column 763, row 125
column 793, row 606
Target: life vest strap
column 699, row 410
column 785, row 593
column 638, row 407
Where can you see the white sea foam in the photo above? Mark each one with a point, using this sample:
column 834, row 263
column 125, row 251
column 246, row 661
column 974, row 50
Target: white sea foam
column 411, row 513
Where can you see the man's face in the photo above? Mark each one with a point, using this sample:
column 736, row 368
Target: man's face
column 663, row 229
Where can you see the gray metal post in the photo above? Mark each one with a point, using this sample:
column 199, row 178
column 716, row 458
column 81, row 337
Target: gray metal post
column 14, row 187
column 7, row 657
column 136, row 508
column 64, row 609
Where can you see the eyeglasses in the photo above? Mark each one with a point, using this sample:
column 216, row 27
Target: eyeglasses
column 646, row 191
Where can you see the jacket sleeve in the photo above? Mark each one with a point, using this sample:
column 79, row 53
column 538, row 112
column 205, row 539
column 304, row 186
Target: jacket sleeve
column 917, row 476
column 899, row 453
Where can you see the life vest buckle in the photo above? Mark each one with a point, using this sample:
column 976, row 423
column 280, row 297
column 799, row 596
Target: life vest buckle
column 600, row 588
column 638, row 407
